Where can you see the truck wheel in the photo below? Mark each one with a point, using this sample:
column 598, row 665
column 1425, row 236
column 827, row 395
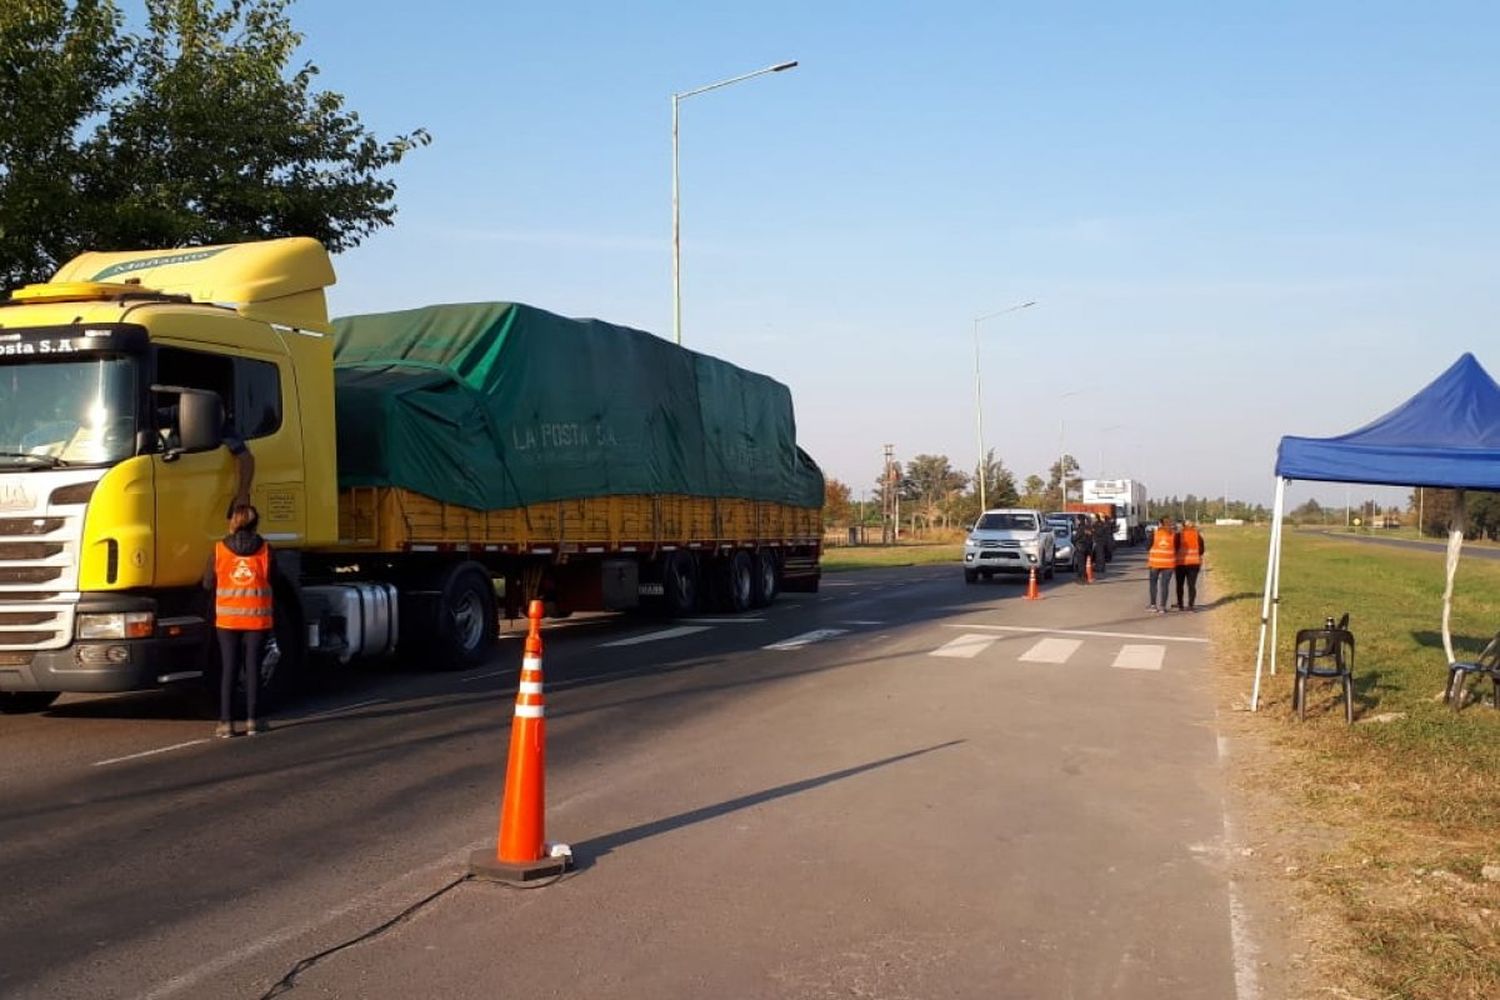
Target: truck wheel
column 767, row 579
column 467, row 622
column 1051, row 569
column 680, row 584
column 971, row 576
column 25, row 702
column 737, row 582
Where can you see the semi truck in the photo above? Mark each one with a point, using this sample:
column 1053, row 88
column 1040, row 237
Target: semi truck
column 1129, row 499
column 417, row 474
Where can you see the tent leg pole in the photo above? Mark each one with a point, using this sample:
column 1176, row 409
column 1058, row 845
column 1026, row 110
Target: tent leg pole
column 1265, row 605
column 1455, row 546
column 1276, row 589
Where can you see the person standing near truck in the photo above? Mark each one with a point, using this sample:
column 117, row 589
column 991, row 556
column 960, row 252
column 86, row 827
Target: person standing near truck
column 1103, row 535
column 1083, row 544
column 1189, row 561
column 239, row 574
column 1161, row 561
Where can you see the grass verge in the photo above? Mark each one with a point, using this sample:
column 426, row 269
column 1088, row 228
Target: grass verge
column 841, row 559
column 1406, row 802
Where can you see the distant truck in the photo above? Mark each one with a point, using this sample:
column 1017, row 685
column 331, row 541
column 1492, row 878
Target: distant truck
column 413, row 471
column 1128, row 497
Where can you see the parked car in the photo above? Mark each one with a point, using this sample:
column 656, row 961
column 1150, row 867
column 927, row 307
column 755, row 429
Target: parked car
column 1064, row 552
column 1009, row 541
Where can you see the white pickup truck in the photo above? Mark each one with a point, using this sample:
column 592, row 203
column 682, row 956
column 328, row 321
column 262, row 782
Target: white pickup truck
column 1009, row 541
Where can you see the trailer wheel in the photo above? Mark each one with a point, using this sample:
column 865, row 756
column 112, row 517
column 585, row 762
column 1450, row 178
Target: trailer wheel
column 680, row 584
column 26, row 702
column 767, row 582
column 736, row 582
column 467, row 622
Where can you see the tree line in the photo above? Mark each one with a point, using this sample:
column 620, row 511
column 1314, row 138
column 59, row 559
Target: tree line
column 196, row 129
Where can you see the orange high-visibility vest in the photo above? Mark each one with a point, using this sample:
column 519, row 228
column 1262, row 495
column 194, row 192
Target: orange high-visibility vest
column 1163, row 554
column 1192, row 547
column 242, row 599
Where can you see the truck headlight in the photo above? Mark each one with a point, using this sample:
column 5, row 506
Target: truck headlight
column 120, row 625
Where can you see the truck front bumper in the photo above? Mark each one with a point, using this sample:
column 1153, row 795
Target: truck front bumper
column 177, row 651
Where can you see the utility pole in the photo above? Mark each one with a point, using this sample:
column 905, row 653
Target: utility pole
column 888, row 511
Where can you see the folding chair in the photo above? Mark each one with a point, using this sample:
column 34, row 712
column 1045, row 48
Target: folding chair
column 1327, row 653
column 1487, row 665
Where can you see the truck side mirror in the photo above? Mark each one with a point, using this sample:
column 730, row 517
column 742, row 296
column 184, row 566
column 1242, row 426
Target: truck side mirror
column 197, row 422
column 200, row 420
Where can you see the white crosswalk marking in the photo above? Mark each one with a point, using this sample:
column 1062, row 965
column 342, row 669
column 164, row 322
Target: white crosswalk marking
column 1140, row 657
column 807, row 638
column 1051, row 651
column 666, row 633
column 966, row 647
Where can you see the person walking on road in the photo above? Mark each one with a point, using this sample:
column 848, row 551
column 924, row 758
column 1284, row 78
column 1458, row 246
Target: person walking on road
column 1161, row 561
column 239, row 574
column 1189, row 561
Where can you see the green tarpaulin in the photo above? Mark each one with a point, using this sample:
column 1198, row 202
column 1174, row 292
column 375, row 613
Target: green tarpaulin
column 500, row 405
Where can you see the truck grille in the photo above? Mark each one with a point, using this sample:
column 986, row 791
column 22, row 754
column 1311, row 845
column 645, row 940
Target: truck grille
column 38, row 582
column 30, row 525
column 29, row 574
column 29, row 551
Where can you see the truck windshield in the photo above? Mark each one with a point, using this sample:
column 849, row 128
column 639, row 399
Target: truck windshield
column 1007, row 522
column 73, row 412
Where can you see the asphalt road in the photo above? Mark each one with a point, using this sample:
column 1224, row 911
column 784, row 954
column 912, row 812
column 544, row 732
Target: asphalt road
column 1469, row 552
column 902, row 787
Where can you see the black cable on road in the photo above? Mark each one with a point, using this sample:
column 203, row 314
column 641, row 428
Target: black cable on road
column 288, row 982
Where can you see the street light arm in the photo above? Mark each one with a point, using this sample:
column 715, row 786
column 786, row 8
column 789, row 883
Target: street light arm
column 779, row 67
column 1002, row 312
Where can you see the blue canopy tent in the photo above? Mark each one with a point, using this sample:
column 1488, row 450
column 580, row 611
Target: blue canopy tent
column 1447, row 435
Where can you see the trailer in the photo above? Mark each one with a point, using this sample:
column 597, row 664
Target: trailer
column 418, row 474
column 1128, row 497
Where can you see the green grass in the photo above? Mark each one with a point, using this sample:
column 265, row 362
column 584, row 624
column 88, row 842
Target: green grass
column 1416, row 799
column 842, row 559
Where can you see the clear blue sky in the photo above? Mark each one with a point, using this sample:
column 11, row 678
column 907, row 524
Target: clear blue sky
column 1237, row 223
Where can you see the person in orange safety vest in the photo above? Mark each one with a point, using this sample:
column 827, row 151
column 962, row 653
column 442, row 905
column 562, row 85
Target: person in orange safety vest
column 1189, row 561
column 1161, row 562
column 239, row 574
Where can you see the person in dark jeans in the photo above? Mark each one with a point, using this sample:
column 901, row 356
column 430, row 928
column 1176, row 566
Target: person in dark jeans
column 1189, row 562
column 1104, row 529
column 239, row 574
column 1161, row 564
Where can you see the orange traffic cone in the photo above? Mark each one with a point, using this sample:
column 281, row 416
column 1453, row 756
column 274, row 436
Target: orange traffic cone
column 1032, row 593
column 522, row 853
column 1088, row 567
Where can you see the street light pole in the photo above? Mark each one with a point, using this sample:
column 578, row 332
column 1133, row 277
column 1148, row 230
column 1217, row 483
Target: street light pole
column 979, row 396
column 676, row 214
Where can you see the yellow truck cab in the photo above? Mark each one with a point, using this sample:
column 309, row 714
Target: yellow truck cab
column 435, row 453
column 119, row 380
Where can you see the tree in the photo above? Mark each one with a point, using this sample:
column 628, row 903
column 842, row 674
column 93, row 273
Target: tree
column 999, row 484
column 934, row 482
column 1067, row 465
column 836, row 507
column 1035, row 495
column 195, row 131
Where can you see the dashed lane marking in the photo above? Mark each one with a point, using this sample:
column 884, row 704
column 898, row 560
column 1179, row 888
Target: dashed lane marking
column 965, row 647
column 807, row 638
column 1140, row 657
column 657, row 636
column 1051, row 651
column 1079, row 631
column 148, row 753
column 718, row 621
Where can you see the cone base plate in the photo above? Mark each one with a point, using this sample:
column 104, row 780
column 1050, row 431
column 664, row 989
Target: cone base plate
column 484, row 865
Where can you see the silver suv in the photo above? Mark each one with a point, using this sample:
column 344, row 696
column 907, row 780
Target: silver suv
column 1009, row 541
